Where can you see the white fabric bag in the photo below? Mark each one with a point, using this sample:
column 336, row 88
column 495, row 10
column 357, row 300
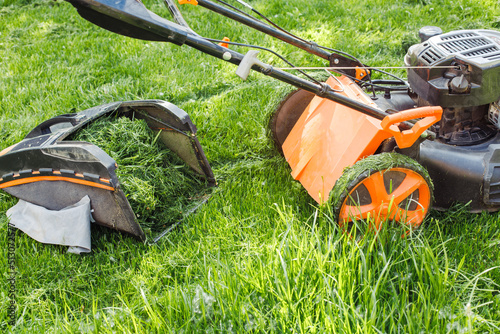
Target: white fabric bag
column 69, row 226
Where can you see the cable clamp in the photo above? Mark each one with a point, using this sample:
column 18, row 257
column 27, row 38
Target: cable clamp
column 267, row 70
column 323, row 90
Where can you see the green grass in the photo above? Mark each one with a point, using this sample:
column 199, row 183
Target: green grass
column 259, row 256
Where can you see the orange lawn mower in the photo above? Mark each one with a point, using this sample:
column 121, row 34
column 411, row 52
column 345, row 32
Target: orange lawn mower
column 375, row 149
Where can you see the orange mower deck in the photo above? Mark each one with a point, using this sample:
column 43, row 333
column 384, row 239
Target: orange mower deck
column 328, row 137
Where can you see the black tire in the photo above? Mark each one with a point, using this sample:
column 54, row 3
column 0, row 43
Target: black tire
column 287, row 114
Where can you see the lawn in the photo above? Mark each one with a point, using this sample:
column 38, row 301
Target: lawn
column 260, row 256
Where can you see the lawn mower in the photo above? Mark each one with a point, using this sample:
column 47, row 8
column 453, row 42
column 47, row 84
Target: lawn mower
column 374, row 149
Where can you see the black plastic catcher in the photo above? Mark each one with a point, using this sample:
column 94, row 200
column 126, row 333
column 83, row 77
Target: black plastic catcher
column 47, row 170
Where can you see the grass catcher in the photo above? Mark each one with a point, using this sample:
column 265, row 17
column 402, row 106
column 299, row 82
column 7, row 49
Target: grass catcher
column 47, row 170
column 371, row 147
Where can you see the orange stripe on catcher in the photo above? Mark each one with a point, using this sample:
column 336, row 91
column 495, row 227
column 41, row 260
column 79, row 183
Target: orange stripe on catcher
column 54, row 178
column 7, row 150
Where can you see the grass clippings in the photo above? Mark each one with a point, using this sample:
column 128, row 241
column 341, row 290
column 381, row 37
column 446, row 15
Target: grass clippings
column 159, row 186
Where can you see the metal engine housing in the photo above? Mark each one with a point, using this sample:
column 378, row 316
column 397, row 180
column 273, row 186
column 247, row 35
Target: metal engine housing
column 464, row 160
column 459, row 71
column 474, row 81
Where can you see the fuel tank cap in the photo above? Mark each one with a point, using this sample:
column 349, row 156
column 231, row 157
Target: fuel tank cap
column 428, row 31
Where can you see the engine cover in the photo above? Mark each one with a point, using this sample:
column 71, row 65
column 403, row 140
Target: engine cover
column 475, row 78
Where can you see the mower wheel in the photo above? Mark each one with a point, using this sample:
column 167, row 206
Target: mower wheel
column 383, row 188
column 287, row 114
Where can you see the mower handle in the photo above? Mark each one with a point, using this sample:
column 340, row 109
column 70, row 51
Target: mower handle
column 131, row 18
column 253, row 23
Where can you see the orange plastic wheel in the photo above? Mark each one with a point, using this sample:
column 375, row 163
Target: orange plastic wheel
column 378, row 193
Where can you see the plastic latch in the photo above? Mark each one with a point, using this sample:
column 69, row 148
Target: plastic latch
column 225, row 39
column 361, row 73
column 247, row 62
column 191, row 2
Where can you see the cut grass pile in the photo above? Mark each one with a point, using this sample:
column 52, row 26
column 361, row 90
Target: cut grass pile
column 159, row 186
column 259, row 256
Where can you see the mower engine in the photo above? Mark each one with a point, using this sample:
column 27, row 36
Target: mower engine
column 468, row 92
column 460, row 71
